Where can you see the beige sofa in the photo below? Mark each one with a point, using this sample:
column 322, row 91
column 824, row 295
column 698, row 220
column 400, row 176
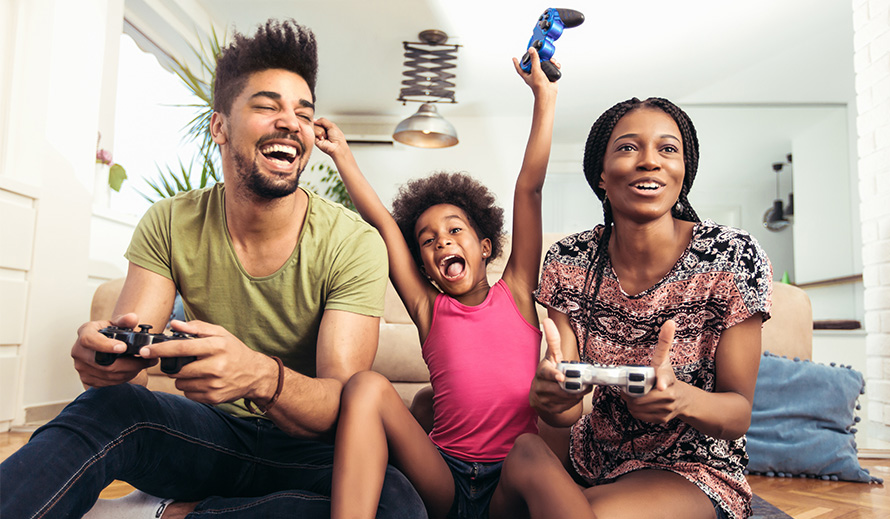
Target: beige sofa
column 788, row 333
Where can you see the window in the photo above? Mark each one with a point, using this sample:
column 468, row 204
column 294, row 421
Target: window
column 151, row 115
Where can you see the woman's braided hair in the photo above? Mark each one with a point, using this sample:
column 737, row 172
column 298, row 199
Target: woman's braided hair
column 595, row 150
column 458, row 189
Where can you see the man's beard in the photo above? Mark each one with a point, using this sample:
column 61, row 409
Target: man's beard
column 262, row 186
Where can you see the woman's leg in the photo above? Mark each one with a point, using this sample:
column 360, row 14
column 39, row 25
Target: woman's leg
column 376, row 427
column 650, row 494
column 535, row 484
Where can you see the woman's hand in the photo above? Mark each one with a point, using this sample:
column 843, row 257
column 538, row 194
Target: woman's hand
column 666, row 398
column 546, row 395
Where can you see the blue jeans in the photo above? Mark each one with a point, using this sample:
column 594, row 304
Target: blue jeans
column 474, row 484
column 169, row 446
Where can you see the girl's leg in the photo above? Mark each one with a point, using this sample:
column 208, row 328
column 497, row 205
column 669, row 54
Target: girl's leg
column 422, row 408
column 535, row 484
column 650, row 494
column 376, row 427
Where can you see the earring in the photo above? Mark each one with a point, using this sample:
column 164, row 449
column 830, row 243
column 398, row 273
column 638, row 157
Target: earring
column 678, row 207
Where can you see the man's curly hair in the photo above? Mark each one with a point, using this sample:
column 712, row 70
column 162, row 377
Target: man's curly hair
column 285, row 45
column 458, row 189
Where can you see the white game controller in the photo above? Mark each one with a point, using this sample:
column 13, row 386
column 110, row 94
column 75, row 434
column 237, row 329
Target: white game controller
column 633, row 380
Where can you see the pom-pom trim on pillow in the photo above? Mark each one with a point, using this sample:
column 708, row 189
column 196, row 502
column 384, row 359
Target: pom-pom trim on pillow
column 803, row 421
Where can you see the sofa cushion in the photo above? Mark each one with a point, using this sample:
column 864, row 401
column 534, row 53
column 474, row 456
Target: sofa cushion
column 398, row 354
column 802, row 421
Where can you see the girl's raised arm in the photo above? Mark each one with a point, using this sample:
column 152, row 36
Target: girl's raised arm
column 521, row 271
column 414, row 289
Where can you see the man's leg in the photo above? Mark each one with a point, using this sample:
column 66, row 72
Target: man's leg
column 399, row 500
column 165, row 445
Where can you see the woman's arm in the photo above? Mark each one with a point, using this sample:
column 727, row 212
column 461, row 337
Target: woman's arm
column 413, row 288
column 725, row 413
column 522, row 268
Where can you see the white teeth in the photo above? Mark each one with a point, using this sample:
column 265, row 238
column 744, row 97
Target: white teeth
column 446, row 258
column 291, row 151
column 647, row 185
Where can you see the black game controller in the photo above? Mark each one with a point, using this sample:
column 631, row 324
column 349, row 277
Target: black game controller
column 136, row 340
column 547, row 30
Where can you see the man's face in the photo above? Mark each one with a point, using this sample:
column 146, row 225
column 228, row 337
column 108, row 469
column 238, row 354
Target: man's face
column 268, row 134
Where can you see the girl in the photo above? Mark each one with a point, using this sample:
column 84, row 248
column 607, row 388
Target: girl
column 652, row 286
column 480, row 342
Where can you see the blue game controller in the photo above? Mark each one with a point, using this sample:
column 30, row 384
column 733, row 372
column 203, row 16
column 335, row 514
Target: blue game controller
column 548, row 29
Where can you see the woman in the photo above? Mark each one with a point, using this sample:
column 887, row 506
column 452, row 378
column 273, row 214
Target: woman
column 652, row 286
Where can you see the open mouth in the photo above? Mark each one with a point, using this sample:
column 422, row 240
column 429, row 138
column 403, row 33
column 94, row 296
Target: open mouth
column 647, row 186
column 281, row 154
column 452, row 267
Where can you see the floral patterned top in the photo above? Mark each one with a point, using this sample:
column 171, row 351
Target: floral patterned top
column 722, row 278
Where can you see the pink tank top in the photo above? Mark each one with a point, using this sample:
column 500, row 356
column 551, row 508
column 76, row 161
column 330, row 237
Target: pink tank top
column 482, row 360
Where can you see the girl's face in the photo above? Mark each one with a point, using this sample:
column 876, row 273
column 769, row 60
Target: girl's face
column 452, row 253
column 643, row 166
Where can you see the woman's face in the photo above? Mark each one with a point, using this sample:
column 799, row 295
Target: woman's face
column 643, row 166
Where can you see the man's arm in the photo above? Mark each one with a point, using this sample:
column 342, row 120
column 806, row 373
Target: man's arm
column 227, row 370
column 146, row 298
column 347, row 344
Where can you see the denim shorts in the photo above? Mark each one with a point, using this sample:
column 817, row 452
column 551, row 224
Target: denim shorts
column 474, row 484
column 717, row 510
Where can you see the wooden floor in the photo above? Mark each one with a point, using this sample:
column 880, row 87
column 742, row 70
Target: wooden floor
column 812, row 498
column 799, row 498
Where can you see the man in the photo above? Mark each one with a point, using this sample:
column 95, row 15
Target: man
column 266, row 271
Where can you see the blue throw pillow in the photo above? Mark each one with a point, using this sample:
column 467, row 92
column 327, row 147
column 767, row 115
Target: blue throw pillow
column 802, row 421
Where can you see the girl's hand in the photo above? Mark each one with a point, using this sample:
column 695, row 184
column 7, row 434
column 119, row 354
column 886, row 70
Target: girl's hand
column 328, row 137
column 546, row 393
column 536, row 78
column 664, row 402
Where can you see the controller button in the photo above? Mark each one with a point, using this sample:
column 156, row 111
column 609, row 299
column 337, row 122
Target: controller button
column 573, row 385
column 636, row 377
column 573, row 373
column 637, row 390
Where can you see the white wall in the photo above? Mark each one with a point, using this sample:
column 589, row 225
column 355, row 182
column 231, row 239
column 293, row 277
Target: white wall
column 872, row 60
column 56, row 52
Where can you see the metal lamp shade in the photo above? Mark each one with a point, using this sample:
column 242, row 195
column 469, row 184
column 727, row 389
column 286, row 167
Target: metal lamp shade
column 426, row 129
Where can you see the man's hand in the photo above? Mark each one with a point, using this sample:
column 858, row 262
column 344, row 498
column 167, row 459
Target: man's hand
column 89, row 341
column 546, row 394
column 225, row 369
column 665, row 401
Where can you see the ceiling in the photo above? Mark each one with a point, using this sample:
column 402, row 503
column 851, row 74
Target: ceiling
column 694, row 52
column 698, row 53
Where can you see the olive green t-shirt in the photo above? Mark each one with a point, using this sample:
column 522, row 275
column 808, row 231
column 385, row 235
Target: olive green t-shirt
column 339, row 263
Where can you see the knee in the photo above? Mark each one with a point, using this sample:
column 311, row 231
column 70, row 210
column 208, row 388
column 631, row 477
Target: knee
column 529, row 447
column 422, row 408
column 367, row 389
column 106, row 408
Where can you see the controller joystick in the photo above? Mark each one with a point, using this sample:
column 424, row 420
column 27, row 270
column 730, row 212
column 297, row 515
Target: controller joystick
column 135, row 340
column 633, row 380
column 548, row 29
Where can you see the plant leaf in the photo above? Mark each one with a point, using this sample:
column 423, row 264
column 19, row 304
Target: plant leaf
column 116, row 176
